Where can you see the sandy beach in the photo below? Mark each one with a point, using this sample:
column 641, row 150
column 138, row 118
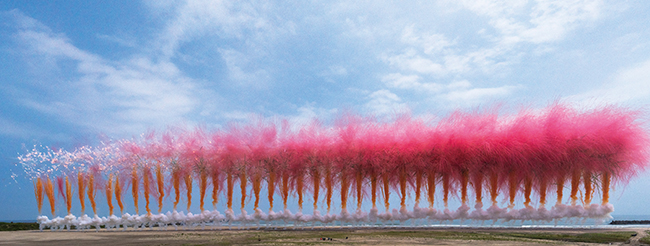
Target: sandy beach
column 357, row 236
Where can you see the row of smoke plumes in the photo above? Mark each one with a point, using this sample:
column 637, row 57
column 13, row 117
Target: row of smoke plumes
column 358, row 159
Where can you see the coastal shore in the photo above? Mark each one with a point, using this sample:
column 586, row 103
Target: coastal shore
column 333, row 235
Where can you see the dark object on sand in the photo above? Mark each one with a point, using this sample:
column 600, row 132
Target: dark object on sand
column 630, row 222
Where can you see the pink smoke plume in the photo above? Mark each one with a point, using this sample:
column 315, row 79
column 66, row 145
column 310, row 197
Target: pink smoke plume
column 527, row 155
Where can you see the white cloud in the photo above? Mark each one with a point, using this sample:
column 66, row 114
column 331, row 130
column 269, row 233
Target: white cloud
column 50, row 44
column 255, row 25
column 411, row 61
column 469, row 97
column 307, row 113
column 515, row 22
column 239, row 70
column 461, row 84
column 628, row 85
column 430, row 44
column 410, row 82
column 546, row 21
column 112, row 97
column 236, row 115
column 384, row 102
column 195, row 18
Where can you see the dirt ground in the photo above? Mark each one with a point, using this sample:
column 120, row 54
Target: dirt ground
column 289, row 236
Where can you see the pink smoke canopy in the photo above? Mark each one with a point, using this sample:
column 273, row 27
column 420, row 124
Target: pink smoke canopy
column 362, row 159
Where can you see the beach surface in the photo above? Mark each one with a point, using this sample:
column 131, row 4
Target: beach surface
column 307, row 236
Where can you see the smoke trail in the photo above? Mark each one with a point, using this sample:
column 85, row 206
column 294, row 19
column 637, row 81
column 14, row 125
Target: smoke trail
column 543, row 184
column 345, row 185
column 359, row 179
column 316, row 179
column 242, row 185
column 575, row 185
column 118, row 193
column 285, row 187
column 203, row 184
column 91, row 192
column 586, row 176
column 328, row 184
column 386, row 192
column 560, row 188
column 478, row 187
column 68, row 194
column 528, row 188
column 605, row 186
column 494, row 187
column 177, row 186
column 402, row 186
column 161, row 187
column 61, row 188
column 134, row 187
column 38, row 190
column 373, row 189
column 82, row 188
column 257, row 187
column 513, row 184
column 109, row 193
column 431, row 187
column 271, row 187
column 215, row 187
column 464, row 180
column 188, row 186
column 299, row 187
column 445, row 189
column 418, row 184
column 145, row 184
column 229, row 184
column 49, row 191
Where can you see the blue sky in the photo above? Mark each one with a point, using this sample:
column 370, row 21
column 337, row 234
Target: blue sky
column 72, row 71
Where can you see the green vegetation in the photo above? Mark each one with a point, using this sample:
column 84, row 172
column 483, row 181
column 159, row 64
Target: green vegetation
column 370, row 236
column 404, row 236
column 18, row 226
column 602, row 237
column 453, row 235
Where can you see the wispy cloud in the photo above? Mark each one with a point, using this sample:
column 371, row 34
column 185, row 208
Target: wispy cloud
column 464, row 96
column 114, row 97
column 384, row 102
column 192, row 19
column 14, row 129
column 539, row 22
column 629, row 85
column 399, row 54
column 410, row 82
column 242, row 72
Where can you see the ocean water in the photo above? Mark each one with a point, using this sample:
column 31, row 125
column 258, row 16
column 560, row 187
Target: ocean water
column 631, row 217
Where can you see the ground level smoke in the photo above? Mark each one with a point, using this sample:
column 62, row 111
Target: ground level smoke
column 359, row 218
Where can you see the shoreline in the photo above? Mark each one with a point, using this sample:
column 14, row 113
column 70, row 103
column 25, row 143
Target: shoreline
column 335, row 235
